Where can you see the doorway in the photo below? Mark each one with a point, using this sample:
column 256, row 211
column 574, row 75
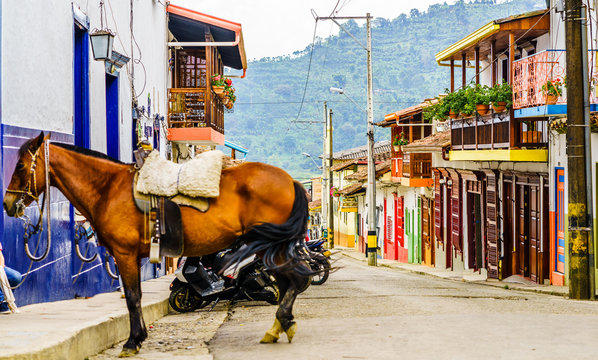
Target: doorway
column 81, row 87
column 112, row 120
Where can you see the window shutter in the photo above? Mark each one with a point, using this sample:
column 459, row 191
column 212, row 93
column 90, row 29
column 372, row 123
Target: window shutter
column 491, row 224
column 437, row 206
column 455, row 205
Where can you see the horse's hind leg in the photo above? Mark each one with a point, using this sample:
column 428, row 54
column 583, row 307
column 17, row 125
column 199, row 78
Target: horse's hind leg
column 273, row 334
column 130, row 273
column 284, row 315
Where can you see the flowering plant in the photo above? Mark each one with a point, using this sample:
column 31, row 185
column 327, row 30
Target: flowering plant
column 334, row 191
column 218, row 80
column 400, row 140
column 553, row 87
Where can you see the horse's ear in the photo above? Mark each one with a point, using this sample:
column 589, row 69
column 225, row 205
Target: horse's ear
column 39, row 140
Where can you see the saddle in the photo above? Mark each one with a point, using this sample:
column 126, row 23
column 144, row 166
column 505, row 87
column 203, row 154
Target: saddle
column 160, row 186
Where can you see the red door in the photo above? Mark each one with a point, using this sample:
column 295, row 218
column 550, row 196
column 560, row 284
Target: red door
column 389, row 241
column 560, row 222
column 401, row 252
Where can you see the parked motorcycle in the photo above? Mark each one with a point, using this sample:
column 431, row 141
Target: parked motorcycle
column 319, row 264
column 202, row 280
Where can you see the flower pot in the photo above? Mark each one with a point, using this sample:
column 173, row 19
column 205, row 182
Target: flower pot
column 499, row 106
column 397, row 148
column 452, row 114
column 482, row 109
column 229, row 105
column 551, row 99
column 225, row 100
column 218, row 90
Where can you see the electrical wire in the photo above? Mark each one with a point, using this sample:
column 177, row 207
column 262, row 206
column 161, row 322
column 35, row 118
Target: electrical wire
column 308, row 70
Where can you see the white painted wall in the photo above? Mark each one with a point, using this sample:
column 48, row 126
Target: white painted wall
column 37, row 65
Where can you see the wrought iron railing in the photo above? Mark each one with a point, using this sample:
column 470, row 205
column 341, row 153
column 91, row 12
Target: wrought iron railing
column 533, row 72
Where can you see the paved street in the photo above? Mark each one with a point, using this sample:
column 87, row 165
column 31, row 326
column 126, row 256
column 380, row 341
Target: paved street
column 382, row 313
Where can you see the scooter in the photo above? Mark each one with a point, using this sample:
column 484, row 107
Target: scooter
column 202, row 280
column 320, row 263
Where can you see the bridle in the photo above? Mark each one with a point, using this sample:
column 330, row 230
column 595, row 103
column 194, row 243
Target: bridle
column 20, row 204
column 30, row 191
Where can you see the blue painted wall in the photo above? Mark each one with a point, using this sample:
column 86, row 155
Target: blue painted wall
column 62, row 275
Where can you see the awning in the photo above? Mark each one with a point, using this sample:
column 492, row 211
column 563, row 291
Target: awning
column 404, row 114
column 191, row 26
column 525, row 27
column 433, row 143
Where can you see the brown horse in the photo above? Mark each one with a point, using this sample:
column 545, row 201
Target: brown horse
column 258, row 203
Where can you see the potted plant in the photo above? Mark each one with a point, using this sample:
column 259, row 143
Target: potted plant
column 552, row 89
column 501, row 97
column 399, row 141
column 231, row 99
column 218, row 84
column 481, row 98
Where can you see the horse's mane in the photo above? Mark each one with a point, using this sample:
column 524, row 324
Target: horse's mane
column 86, row 151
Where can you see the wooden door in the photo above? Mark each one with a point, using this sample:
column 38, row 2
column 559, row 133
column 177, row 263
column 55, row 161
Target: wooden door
column 438, row 228
column 400, row 224
column 523, row 230
column 427, row 240
column 389, row 239
column 449, row 223
column 559, row 222
column 509, row 263
column 534, row 232
column 456, row 205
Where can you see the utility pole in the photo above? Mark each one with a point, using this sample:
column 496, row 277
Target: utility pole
column 372, row 238
column 581, row 267
column 331, row 206
column 325, row 173
column 372, row 244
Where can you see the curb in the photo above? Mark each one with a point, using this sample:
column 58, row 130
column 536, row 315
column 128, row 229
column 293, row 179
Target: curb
column 485, row 283
column 92, row 337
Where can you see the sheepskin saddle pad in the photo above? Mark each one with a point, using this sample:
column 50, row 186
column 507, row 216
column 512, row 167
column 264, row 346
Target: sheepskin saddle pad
column 199, row 177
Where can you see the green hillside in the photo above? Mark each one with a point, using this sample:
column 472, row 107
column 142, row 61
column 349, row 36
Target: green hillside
column 405, row 73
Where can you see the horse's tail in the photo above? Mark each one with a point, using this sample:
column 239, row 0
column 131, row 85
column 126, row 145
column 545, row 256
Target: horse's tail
column 281, row 243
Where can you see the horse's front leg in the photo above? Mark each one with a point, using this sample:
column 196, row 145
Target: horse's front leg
column 128, row 266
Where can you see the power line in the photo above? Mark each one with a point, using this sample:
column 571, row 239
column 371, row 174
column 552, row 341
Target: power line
column 311, row 54
column 318, row 102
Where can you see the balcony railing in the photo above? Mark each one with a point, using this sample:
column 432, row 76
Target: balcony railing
column 498, row 131
column 396, row 170
column 417, row 165
column 534, row 71
column 189, row 107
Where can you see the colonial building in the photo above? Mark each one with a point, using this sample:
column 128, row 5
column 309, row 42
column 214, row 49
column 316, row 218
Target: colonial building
column 51, row 82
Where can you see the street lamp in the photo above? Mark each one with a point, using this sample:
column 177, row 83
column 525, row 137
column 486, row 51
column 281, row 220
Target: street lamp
column 102, row 39
column 312, row 159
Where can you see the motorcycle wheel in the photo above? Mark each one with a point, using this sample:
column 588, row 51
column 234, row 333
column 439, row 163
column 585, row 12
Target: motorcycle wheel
column 184, row 299
column 324, row 270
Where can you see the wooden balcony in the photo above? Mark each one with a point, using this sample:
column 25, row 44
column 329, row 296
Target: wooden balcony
column 195, row 116
column 413, row 170
column 499, row 137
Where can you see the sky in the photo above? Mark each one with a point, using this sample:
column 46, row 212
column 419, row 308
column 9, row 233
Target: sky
column 279, row 27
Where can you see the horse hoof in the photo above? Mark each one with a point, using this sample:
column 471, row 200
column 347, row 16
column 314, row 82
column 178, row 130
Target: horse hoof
column 269, row 338
column 291, row 332
column 126, row 352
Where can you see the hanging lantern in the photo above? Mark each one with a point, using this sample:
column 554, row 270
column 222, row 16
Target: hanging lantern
column 101, row 44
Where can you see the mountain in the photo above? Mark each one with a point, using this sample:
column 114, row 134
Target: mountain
column 404, row 73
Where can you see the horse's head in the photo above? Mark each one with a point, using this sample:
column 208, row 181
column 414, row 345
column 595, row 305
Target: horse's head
column 28, row 179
